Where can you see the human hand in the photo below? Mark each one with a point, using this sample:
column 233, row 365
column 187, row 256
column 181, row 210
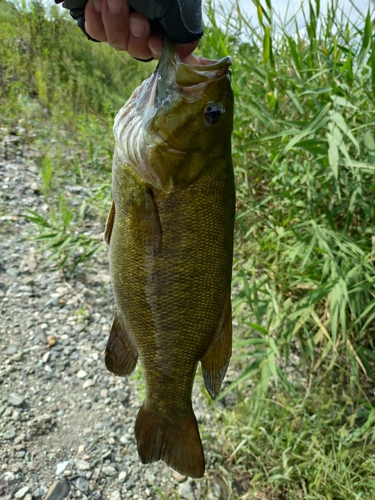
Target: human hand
column 112, row 21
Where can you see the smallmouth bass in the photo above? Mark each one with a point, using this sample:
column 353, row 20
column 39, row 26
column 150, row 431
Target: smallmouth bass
column 170, row 236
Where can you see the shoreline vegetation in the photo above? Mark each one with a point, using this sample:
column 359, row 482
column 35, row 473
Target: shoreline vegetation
column 297, row 420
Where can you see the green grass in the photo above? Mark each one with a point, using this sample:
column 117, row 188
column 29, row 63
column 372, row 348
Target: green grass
column 315, row 446
column 297, row 422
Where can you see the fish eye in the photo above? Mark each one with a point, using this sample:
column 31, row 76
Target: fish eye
column 213, row 112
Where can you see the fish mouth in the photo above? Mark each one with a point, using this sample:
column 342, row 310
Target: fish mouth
column 189, row 77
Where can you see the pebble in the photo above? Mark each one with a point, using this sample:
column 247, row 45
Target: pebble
column 15, row 399
column 8, row 476
column 185, row 491
column 88, row 383
column 19, row 438
column 10, row 434
column 100, row 346
column 122, row 476
column 82, row 484
column 79, row 327
column 58, row 490
column 81, row 374
column 16, row 357
column 61, row 466
column 21, row 492
column 82, row 464
column 178, row 477
column 129, row 484
column 115, row 495
column 108, row 470
column 51, row 340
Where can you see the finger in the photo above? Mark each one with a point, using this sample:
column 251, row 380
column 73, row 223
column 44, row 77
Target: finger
column 94, row 24
column 140, row 31
column 155, row 44
column 184, row 50
column 115, row 14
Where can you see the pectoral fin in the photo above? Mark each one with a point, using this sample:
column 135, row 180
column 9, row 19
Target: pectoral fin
column 216, row 360
column 109, row 224
column 120, row 354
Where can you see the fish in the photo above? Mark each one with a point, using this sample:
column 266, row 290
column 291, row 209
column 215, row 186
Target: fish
column 170, row 236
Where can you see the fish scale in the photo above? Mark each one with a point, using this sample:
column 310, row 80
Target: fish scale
column 170, row 236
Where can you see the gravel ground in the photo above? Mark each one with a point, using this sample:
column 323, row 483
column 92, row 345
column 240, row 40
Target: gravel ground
column 66, row 423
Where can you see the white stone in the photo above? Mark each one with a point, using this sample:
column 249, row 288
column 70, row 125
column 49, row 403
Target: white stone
column 88, row 383
column 82, row 464
column 115, row 495
column 109, row 470
column 61, row 466
column 185, row 491
column 22, row 492
column 122, row 476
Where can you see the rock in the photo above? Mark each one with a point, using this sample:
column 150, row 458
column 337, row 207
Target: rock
column 88, row 383
column 51, row 340
column 10, row 434
column 115, row 495
column 21, row 492
column 178, row 477
column 82, row 484
column 17, row 466
column 8, row 476
column 19, row 439
column 81, row 374
column 37, row 493
column 15, row 399
column 58, row 490
column 122, row 476
column 16, row 416
column 108, row 470
column 16, row 357
column 185, row 491
column 61, row 466
column 8, row 412
column 129, row 484
column 100, row 346
column 45, row 356
column 79, row 327
column 82, row 464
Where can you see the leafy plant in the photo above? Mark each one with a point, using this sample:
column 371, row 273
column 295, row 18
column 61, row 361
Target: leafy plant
column 60, row 236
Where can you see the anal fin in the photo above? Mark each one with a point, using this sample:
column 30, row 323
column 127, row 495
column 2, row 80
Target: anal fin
column 216, row 360
column 120, row 354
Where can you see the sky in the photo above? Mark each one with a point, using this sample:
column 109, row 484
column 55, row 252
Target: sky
column 285, row 8
column 293, row 5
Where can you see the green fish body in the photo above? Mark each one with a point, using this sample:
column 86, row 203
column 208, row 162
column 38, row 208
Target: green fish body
column 170, row 236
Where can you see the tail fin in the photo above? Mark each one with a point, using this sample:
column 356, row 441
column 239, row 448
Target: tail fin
column 179, row 445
